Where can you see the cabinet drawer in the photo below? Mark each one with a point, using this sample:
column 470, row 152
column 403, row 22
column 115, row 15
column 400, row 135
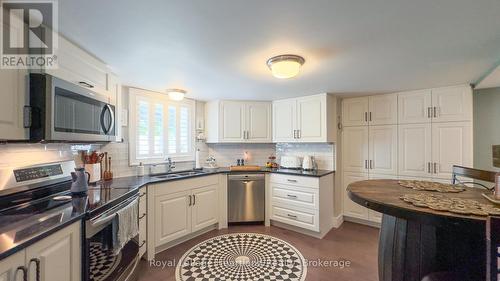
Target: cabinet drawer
column 295, row 180
column 142, row 201
column 142, row 236
column 302, row 218
column 296, row 196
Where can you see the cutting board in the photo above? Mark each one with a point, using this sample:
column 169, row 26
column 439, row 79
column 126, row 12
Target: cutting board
column 245, row 168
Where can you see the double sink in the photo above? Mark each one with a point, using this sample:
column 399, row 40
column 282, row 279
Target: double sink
column 180, row 174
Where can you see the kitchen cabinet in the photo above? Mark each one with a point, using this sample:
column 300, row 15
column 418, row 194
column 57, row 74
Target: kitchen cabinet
column 172, row 216
column 203, row 212
column 451, row 145
column 352, row 209
column 143, row 213
column 355, row 149
column 446, row 104
column 302, row 202
column 58, row 256
column 179, row 209
column 305, row 119
column 115, row 98
column 238, row 121
column 383, row 149
column 284, row 112
column 415, row 150
column 371, row 110
column 415, row 107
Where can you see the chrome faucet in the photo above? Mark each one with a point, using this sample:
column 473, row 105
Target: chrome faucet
column 170, row 164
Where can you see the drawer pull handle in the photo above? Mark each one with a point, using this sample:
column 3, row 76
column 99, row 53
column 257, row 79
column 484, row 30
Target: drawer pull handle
column 292, row 216
column 292, row 196
column 85, row 84
column 142, row 244
column 142, row 195
column 289, row 180
column 24, row 270
column 143, row 215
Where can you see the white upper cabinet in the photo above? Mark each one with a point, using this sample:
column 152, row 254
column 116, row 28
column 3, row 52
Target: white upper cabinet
column 447, row 104
column 355, row 111
column 305, row 119
column 383, row 149
column 383, row 109
column 452, row 104
column 232, row 121
column 14, row 96
column 238, row 121
column 415, row 107
column 284, row 120
column 415, row 150
column 258, row 117
column 311, row 119
column 355, row 149
column 451, row 145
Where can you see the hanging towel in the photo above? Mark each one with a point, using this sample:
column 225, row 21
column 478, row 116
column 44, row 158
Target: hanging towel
column 125, row 225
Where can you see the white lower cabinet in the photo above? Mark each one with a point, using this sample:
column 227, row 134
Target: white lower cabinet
column 176, row 209
column 143, row 221
column 58, row 256
column 304, row 202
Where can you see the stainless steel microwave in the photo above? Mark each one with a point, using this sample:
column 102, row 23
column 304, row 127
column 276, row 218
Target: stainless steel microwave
column 61, row 111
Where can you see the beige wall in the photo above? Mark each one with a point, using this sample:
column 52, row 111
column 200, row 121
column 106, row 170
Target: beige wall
column 486, row 126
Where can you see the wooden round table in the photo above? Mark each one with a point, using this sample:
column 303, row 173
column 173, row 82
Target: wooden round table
column 416, row 241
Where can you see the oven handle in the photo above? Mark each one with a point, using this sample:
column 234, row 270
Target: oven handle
column 111, row 213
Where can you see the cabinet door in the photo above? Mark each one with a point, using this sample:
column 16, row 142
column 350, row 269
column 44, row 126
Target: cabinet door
column 383, row 109
column 14, row 97
column 452, row 104
column 414, row 148
column 351, row 208
column 355, row 111
column 414, row 107
column 232, row 121
column 311, row 119
column 451, row 145
column 59, row 255
column 9, row 266
column 258, row 117
column 172, row 217
column 374, row 215
column 205, row 207
column 383, row 149
column 355, row 149
column 284, row 119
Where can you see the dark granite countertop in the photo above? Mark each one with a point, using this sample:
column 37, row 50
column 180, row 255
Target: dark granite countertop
column 24, row 226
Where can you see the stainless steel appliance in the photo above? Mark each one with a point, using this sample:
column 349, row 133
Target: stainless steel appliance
column 37, row 198
column 246, row 198
column 290, row 162
column 63, row 111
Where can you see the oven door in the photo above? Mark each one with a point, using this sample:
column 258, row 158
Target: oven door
column 102, row 261
column 77, row 114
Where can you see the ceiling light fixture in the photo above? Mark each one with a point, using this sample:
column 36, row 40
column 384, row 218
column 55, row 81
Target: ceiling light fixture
column 285, row 66
column 176, row 94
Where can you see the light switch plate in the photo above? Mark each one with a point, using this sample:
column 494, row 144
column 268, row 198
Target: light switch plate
column 496, row 156
column 124, row 118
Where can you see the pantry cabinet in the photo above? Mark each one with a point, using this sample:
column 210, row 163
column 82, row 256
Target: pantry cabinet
column 57, row 256
column 351, row 208
column 355, row 149
column 371, row 110
column 305, row 119
column 415, row 107
column 238, row 121
column 177, row 209
column 415, row 150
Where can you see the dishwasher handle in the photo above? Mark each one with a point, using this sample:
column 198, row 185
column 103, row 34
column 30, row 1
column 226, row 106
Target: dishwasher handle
column 246, row 177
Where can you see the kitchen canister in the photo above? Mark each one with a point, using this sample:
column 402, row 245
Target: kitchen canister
column 94, row 171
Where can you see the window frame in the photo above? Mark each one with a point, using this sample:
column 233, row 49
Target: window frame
column 135, row 95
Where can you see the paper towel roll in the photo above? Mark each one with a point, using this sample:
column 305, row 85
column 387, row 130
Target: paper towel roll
column 197, row 159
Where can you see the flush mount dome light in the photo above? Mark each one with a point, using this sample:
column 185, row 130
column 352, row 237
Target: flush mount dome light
column 285, row 66
column 176, row 94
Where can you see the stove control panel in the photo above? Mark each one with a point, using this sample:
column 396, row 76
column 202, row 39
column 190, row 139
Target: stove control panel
column 37, row 172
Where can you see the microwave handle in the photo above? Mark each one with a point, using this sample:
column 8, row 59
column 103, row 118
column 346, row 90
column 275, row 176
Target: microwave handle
column 108, row 128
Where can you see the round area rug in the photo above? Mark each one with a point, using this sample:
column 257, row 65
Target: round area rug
column 242, row 256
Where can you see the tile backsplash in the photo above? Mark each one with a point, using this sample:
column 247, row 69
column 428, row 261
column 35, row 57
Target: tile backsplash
column 226, row 154
column 323, row 153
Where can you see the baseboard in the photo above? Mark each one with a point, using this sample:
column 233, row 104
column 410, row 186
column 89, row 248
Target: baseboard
column 337, row 221
column 183, row 239
column 307, row 232
column 362, row 221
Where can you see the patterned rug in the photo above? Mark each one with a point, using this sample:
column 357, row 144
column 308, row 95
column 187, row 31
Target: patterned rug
column 102, row 263
column 242, row 256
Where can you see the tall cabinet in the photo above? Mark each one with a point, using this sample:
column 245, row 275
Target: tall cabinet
column 416, row 134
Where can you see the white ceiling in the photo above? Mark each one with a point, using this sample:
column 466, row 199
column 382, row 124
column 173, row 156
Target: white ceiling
column 218, row 48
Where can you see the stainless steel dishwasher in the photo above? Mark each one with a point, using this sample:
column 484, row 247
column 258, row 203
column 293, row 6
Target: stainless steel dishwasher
column 246, row 198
